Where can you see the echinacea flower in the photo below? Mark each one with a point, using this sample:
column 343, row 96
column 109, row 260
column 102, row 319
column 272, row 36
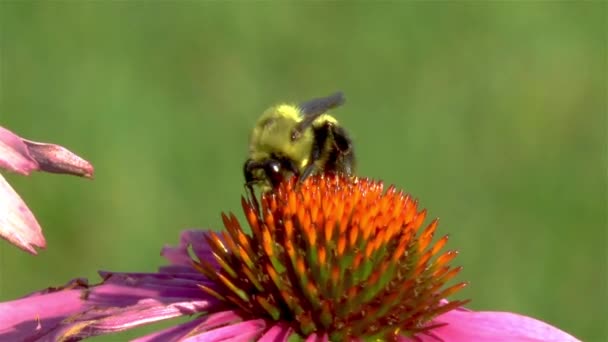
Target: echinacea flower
column 17, row 223
column 331, row 259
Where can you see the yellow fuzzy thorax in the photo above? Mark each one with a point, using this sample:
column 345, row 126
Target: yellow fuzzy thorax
column 272, row 135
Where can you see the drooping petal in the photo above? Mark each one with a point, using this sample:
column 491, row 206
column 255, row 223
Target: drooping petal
column 17, row 223
column 24, row 156
column 14, row 155
column 58, row 159
column 489, row 326
column 122, row 301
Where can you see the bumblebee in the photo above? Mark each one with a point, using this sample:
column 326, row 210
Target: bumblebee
column 298, row 140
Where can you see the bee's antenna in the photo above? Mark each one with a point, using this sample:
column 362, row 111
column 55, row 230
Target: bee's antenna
column 250, row 195
column 314, row 108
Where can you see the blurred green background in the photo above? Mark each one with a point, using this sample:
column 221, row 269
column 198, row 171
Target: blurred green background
column 492, row 114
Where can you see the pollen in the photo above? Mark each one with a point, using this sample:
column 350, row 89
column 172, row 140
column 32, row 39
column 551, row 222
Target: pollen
column 335, row 255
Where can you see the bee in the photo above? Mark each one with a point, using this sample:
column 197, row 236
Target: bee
column 298, row 140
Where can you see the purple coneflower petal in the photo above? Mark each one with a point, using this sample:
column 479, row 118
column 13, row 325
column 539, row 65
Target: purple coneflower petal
column 219, row 326
column 40, row 312
column 317, row 338
column 14, row 155
column 192, row 238
column 175, row 333
column 219, row 319
column 465, row 325
column 241, row 331
column 278, row 332
column 58, row 159
column 24, row 156
column 122, row 301
column 17, row 223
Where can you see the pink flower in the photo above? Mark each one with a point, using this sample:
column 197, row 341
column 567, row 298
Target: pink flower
column 17, row 223
column 330, row 259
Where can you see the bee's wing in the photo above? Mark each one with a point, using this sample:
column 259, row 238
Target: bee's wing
column 314, row 108
column 318, row 106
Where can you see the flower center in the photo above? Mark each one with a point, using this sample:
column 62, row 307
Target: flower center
column 335, row 255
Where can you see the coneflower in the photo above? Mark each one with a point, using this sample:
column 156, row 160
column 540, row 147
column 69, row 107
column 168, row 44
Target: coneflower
column 334, row 258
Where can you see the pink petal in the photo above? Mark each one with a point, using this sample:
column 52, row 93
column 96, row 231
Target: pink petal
column 37, row 314
column 14, row 155
column 493, row 326
column 58, row 159
column 317, row 338
column 220, row 326
column 195, row 239
column 24, row 156
column 100, row 321
column 279, row 332
column 121, row 302
column 17, row 223
column 242, row 331
column 178, row 255
column 219, row 319
column 175, row 333
column 126, row 300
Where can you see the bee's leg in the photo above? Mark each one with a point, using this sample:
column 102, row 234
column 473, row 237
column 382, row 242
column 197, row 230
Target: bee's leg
column 308, row 170
column 341, row 140
column 347, row 164
column 248, row 168
column 320, row 139
column 344, row 159
column 333, row 150
column 251, row 197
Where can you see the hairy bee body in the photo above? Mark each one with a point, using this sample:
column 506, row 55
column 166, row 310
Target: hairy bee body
column 298, row 140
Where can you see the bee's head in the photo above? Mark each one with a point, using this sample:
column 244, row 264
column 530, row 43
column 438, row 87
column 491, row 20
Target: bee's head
column 268, row 172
